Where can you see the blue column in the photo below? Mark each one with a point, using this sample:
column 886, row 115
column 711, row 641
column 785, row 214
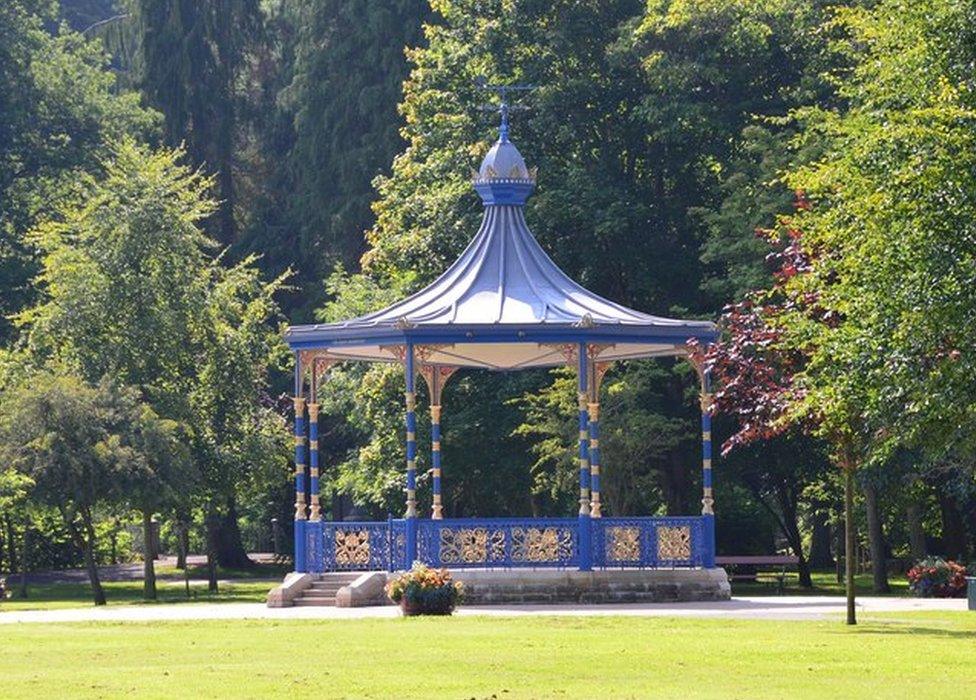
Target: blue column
column 299, row 470
column 437, row 510
column 708, row 512
column 596, row 508
column 585, row 553
column 411, row 404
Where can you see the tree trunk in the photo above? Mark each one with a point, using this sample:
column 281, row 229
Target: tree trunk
column 841, row 554
column 953, row 527
column 916, row 534
column 148, row 557
column 228, row 545
column 88, row 549
column 11, row 542
column 876, row 542
column 213, row 532
column 182, row 542
column 849, row 543
column 24, row 562
column 820, row 537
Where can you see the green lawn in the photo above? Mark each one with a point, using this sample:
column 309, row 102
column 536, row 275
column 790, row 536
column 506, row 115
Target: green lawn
column 75, row 595
column 824, row 583
column 480, row 657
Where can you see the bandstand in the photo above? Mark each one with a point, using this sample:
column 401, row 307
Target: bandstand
column 503, row 305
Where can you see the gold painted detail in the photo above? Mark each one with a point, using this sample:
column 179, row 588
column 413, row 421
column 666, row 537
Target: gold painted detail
column 313, row 412
column 623, row 544
column 411, row 436
column 583, row 435
column 436, row 446
column 706, row 464
column 299, row 441
column 594, row 443
column 674, row 543
column 299, row 404
column 411, row 400
column 535, row 544
column 313, row 445
column 471, row 545
column 582, row 401
column 707, row 435
column 352, row 547
column 435, row 414
column 594, row 411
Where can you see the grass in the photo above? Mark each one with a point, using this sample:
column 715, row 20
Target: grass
column 252, row 586
column 51, row 596
column 824, row 583
column 482, row 657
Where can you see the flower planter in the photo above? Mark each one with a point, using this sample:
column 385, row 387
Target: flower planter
column 424, row 591
column 416, row 607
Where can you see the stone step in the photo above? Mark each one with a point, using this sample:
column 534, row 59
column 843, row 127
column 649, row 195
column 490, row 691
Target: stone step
column 308, row 600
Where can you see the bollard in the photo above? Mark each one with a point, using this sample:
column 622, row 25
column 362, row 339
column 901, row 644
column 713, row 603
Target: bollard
column 971, row 580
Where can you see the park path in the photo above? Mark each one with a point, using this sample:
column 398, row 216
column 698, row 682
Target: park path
column 756, row 607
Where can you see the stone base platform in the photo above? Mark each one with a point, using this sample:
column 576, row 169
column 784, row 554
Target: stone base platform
column 528, row 586
column 487, row 587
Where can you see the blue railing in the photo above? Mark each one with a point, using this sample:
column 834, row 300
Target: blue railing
column 651, row 542
column 499, row 542
column 504, row 543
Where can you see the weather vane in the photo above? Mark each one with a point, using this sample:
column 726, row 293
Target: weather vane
column 504, row 108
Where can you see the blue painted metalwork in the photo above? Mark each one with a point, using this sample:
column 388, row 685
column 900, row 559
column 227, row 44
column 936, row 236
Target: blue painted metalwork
column 500, row 542
column 300, row 564
column 411, row 420
column 314, row 554
column 584, row 461
column 362, row 546
column 708, row 500
column 506, row 543
column 649, row 542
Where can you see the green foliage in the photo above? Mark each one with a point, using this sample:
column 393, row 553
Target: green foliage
column 889, row 226
column 346, row 82
column 59, row 113
column 133, row 293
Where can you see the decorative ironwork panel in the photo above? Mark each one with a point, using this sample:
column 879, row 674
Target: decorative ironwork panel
column 499, row 542
column 648, row 542
column 471, row 545
column 534, row 545
column 358, row 546
column 352, row 547
column 623, row 544
column 674, row 543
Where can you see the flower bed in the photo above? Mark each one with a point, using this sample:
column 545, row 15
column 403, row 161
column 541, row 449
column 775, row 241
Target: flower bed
column 425, row 591
column 934, row 577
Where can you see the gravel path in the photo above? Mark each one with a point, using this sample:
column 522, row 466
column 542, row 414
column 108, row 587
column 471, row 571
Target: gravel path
column 755, row 607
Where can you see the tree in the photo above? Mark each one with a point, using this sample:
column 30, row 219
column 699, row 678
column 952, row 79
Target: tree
column 346, row 81
column 158, row 474
column 60, row 110
column 190, row 58
column 862, row 329
column 60, row 433
column 132, row 292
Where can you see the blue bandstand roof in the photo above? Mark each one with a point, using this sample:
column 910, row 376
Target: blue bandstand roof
column 503, row 304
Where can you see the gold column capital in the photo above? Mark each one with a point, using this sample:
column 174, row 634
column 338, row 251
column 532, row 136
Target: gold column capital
column 313, row 412
column 594, row 410
column 435, row 413
column 299, row 403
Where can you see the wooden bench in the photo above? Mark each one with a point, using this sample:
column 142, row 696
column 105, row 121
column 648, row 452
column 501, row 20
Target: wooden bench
column 771, row 568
